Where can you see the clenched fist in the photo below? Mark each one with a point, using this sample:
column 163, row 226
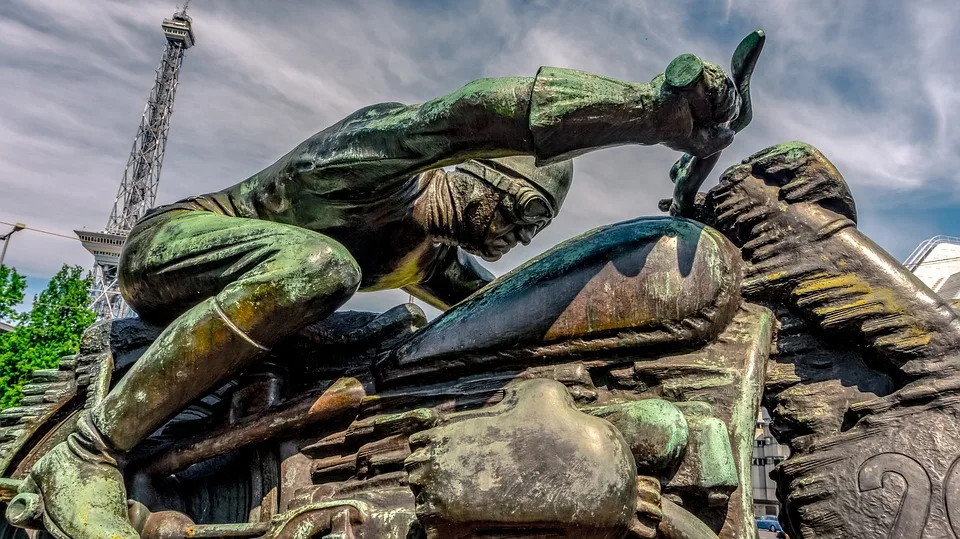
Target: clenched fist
column 698, row 103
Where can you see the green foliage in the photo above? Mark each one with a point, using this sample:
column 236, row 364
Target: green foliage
column 12, row 285
column 51, row 330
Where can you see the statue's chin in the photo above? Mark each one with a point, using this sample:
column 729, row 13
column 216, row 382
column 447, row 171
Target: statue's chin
column 490, row 254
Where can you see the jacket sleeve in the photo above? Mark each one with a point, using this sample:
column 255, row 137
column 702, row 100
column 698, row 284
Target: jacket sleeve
column 555, row 115
column 370, row 149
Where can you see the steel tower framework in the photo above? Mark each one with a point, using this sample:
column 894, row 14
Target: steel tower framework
column 141, row 177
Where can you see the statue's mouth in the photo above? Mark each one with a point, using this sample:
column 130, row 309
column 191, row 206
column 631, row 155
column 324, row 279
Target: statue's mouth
column 497, row 248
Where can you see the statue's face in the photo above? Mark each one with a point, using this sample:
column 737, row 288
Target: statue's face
column 504, row 234
column 492, row 221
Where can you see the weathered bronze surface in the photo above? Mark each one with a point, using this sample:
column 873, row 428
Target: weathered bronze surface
column 863, row 384
column 670, row 384
column 361, row 205
column 689, row 173
column 606, row 389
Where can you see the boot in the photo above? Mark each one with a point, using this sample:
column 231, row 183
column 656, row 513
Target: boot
column 199, row 350
column 80, row 480
column 82, row 488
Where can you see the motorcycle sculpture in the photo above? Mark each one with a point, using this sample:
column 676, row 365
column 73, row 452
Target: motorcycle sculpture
column 608, row 388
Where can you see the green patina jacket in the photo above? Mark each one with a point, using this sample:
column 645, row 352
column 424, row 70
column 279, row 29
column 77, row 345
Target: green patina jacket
column 356, row 180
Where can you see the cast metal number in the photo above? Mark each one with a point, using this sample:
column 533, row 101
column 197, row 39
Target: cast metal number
column 951, row 497
column 915, row 502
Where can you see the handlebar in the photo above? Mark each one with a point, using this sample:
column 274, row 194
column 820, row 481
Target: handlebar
column 689, row 172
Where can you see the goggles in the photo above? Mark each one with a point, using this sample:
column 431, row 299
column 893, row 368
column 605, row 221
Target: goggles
column 529, row 207
column 526, row 204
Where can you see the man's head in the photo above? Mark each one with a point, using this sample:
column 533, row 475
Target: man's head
column 507, row 201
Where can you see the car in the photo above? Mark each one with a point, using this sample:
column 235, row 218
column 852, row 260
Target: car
column 769, row 523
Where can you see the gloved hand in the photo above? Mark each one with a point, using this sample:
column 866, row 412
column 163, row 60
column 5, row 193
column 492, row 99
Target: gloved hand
column 698, row 103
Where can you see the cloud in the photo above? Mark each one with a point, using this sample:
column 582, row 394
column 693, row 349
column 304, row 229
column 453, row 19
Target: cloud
column 871, row 84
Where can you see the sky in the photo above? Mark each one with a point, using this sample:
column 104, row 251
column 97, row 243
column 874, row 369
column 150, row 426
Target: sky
column 872, row 84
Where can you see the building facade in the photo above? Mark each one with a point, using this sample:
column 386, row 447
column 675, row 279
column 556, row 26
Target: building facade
column 767, row 454
column 936, row 262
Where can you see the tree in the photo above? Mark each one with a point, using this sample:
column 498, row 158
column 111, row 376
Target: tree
column 12, row 285
column 51, row 330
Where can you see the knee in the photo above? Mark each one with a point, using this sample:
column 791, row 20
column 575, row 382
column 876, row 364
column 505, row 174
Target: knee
column 305, row 276
column 322, row 272
column 330, row 266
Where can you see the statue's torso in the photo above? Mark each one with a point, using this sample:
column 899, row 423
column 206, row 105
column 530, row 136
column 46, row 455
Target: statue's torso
column 375, row 225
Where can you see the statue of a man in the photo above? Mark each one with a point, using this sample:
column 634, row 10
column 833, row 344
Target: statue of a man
column 362, row 205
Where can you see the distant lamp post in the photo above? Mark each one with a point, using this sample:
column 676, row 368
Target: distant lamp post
column 6, row 239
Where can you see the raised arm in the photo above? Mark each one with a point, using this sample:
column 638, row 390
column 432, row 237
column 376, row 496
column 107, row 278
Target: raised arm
column 558, row 114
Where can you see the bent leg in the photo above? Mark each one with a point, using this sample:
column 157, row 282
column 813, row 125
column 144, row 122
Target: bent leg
column 276, row 279
column 243, row 284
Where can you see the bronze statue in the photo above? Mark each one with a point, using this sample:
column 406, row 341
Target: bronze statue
column 607, row 388
column 362, row 205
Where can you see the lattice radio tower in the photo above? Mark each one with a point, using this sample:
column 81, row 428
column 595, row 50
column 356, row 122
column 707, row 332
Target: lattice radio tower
column 138, row 190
